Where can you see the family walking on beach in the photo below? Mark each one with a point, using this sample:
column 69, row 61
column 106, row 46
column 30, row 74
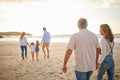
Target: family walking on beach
column 90, row 55
column 35, row 47
column 86, row 47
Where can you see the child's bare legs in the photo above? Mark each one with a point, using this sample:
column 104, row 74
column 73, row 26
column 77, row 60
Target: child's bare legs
column 32, row 53
column 37, row 56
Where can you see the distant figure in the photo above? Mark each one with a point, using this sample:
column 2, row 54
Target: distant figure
column 23, row 44
column 45, row 42
column 37, row 49
column 32, row 47
column 85, row 44
column 106, row 60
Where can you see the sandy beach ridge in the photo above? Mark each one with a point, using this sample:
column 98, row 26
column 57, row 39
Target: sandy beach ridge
column 12, row 67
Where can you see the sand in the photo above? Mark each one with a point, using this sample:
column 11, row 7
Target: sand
column 12, row 67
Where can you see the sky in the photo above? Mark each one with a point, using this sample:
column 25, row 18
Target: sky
column 58, row 16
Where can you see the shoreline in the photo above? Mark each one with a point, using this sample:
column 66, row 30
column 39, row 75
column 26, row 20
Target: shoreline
column 53, row 39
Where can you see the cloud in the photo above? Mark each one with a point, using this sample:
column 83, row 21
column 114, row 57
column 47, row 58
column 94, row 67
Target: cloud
column 110, row 3
column 22, row 0
column 82, row 3
column 100, row 3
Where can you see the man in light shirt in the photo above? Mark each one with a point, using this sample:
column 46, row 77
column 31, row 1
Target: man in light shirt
column 45, row 42
column 85, row 44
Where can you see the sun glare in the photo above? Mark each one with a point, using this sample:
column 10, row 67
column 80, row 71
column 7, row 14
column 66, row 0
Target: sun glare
column 58, row 16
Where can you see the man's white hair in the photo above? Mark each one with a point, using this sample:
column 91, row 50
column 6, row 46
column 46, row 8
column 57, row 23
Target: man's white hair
column 82, row 23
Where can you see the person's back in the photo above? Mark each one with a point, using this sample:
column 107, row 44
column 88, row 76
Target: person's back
column 23, row 41
column 23, row 44
column 86, row 43
column 46, row 36
column 45, row 42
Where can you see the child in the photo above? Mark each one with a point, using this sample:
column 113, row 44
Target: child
column 37, row 49
column 32, row 47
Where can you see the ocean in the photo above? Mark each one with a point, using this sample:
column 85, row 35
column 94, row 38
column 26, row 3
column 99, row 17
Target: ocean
column 53, row 39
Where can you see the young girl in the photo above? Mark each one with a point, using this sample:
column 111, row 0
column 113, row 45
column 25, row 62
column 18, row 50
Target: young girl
column 32, row 47
column 37, row 49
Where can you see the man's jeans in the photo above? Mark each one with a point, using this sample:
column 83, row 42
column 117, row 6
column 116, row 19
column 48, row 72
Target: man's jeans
column 83, row 75
column 106, row 66
column 24, row 49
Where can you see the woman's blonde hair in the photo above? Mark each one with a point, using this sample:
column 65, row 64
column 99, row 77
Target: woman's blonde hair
column 22, row 35
column 107, row 32
column 37, row 43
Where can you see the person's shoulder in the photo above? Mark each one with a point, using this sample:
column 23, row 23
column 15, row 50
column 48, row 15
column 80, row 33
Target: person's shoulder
column 75, row 34
column 102, row 40
column 24, row 37
column 47, row 32
column 91, row 33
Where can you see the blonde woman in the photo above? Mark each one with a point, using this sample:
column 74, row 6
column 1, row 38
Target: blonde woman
column 23, row 45
column 106, row 60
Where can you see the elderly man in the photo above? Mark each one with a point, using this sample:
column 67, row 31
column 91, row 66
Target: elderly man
column 85, row 44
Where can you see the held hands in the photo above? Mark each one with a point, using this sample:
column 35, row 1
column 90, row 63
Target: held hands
column 64, row 69
column 97, row 66
column 41, row 43
column 28, row 45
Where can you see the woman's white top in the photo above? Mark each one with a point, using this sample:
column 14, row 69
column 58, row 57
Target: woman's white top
column 105, row 49
column 23, row 41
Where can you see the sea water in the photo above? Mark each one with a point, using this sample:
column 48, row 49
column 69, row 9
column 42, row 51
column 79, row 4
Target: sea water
column 53, row 39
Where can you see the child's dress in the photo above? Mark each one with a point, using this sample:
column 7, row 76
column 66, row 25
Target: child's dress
column 37, row 49
column 32, row 48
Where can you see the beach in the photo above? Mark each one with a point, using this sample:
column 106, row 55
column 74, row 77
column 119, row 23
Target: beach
column 12, row 67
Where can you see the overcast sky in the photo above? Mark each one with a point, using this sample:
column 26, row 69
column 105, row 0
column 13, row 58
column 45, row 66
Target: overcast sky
column 58, row 16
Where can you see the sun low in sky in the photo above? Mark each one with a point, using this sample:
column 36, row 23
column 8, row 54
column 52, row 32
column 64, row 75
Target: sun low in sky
column 58, row 16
